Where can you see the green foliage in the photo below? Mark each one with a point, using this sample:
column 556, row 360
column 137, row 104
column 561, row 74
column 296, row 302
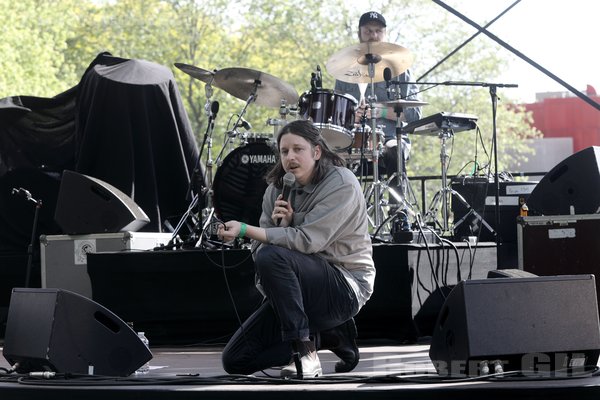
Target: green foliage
column 34, row 41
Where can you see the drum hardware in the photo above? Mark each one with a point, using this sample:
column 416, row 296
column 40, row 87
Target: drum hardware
column 444, row 125
column 366, row 63
column 284, row 111
column 206, row 192
column 445, row 191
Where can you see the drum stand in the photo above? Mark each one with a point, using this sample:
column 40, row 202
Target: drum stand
column 445, row 191
column 402, row 175
column 374, row 210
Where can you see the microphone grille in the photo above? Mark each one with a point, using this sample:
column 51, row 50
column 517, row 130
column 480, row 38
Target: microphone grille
column 387, row 74
column 289, row 179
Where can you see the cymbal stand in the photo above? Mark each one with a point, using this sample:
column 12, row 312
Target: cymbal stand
column 233, row 133
column 211, row 109
column 445, row 191
column 374, row 190
column 402, row 175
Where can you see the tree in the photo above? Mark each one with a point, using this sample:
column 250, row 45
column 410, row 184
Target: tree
column 33, row 46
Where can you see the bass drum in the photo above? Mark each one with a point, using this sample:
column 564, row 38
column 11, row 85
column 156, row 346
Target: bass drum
column 239, row 183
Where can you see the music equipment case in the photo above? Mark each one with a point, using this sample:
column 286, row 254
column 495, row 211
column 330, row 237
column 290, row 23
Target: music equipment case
column 559, row 244
column 64, row 257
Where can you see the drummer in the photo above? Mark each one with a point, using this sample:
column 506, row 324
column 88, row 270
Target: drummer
column 372, row 28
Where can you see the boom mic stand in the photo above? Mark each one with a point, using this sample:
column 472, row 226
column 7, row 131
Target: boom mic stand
column 212, row 109
column 494, row 99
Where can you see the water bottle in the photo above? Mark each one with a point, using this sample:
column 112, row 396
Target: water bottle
column 146, row 367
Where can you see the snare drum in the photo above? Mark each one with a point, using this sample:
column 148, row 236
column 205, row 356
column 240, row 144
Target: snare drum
column 332, row 113
column 239, row 183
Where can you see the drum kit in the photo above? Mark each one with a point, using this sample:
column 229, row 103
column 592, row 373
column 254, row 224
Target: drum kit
column 238, row 186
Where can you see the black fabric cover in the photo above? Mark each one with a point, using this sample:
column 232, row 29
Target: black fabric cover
column 124, row 123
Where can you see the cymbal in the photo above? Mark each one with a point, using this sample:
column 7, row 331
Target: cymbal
column 351, row 64
column 242, row 82
column 197, row 73
column 401, row 103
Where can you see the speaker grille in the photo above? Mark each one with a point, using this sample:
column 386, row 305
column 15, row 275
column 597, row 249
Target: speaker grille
column 514, row 320
column 57, row 330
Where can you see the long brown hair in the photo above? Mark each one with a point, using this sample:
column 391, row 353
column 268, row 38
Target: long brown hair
column 308, row 131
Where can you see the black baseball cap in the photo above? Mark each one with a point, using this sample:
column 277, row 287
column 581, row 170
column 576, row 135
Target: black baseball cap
column 371, row 16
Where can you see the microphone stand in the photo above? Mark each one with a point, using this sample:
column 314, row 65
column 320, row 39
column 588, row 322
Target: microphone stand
column 198, row 166
column 499, row 241
column 494, row 98
column 38, row 206
column 233, row 133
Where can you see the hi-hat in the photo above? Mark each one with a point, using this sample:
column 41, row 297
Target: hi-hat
column 197, row 73
column 268, row 90
column 400, row 102
column 351, row 64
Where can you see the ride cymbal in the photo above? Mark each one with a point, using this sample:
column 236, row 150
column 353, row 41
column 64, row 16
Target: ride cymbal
column 197, row 73
column 268, row 89
column 351, row 64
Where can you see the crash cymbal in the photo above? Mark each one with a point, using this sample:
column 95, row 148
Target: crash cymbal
column 197, row 73
column 351, row 64
column 401, row 103
column 242, row 82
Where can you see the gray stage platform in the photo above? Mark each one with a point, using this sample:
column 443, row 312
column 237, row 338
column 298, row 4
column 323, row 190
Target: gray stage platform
column 385, row 371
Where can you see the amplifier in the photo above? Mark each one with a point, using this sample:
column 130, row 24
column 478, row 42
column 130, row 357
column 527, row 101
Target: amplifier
column 473, row 206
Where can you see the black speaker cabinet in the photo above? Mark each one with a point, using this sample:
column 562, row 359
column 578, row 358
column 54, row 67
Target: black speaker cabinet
column 574, row 182
column 57, row 330
column 536, row 325
column 89, row 205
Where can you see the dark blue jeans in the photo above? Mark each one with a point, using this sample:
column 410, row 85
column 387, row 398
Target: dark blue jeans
column 304, row 295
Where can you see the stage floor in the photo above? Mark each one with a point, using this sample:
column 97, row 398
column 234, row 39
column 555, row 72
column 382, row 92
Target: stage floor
column 385, row 371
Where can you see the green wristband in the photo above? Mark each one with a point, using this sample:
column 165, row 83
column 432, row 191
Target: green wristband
column 243, row 228
column 384, row 113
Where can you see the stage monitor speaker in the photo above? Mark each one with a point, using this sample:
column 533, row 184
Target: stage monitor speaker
column 574, row 182
column 61, row 331
column 535, row 325
column 89, row 205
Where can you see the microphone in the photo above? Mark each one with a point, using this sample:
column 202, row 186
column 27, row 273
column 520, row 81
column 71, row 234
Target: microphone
column 214, row 110
column 288, row 182
column 244, row 124
column 319, row 77
column 387, row 76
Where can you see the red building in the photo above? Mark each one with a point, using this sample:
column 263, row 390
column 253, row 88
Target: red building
column 560, row 114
